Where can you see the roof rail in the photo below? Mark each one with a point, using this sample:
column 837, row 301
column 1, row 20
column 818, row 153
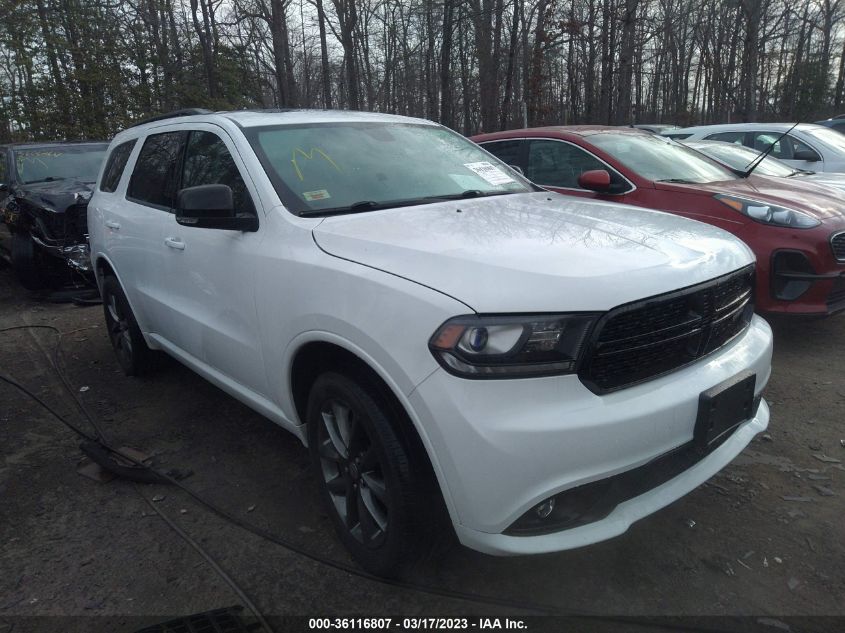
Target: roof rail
column 172, row 115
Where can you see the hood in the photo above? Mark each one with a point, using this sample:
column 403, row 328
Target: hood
column 823, row 179
column 55, row 196
column 815, row 200
column 536, row 252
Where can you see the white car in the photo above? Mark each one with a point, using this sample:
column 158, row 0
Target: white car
column 808, row 146
column 438, row 331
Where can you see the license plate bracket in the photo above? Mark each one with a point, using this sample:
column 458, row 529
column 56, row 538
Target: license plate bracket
column 722, row 408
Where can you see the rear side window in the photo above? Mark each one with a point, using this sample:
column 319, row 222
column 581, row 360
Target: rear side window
column 509, row 152
column 784, row 146
column 728, row 137
column 115, row 166
column 154, row 178
column 208, row 162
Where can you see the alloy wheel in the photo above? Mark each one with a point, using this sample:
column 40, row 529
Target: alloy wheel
column 119, row 329
column 353, row 473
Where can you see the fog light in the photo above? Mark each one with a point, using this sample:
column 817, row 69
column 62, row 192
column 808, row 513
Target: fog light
column 545, row 509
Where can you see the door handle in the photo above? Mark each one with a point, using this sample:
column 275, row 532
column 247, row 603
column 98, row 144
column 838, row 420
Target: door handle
column 175, row 242
column 113, row 225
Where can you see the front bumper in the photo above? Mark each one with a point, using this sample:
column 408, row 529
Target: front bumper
column 502, row 447
column 804, row 283
column 77, row 256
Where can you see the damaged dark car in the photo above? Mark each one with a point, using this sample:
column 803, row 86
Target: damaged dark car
column 44, row 194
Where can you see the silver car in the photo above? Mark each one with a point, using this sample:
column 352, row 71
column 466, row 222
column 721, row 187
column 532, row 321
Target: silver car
column 738, row 158
column 806, row 146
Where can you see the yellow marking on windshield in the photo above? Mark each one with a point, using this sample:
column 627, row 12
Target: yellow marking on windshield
column 33, row 157
column 309, row 156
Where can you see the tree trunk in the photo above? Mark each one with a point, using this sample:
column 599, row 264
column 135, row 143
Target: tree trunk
column 626, row 62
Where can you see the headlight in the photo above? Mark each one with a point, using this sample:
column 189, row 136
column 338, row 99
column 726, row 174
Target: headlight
column 511, row 346
column 769, row 213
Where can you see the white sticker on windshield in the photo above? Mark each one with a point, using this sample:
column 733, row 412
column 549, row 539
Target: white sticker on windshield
column 489, row 172
column 320, row 194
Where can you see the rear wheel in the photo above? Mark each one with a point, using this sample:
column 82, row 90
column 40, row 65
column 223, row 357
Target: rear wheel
column 132, row 353
column 365, row 474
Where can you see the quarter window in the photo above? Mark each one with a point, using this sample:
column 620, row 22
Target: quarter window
column 154, row 177
column 208, row 162
column 559, row 164
column 728, row 137
column 4, row 172
column 115, row 166
column 509, row 152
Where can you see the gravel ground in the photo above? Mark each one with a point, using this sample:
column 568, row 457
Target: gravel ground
column 765, row 537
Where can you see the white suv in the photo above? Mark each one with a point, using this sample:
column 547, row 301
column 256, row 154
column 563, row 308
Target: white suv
column 437, row 330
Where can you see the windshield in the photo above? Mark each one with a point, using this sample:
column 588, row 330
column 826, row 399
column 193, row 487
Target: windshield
column 659, row 159
column 43, row 164
column 739, row 157
column 333, row 166
column 827, row 136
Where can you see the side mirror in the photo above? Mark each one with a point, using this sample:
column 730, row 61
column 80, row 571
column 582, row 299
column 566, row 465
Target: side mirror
column 806, row 154
column 597, row 180
column 4, row 187
column 211, row 207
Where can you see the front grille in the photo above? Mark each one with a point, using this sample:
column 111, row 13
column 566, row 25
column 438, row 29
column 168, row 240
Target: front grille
column 645, row 339
column 837, row 243
column 76, row 222
column 70, row 227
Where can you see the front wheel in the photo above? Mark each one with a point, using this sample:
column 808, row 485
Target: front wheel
column 365, row 474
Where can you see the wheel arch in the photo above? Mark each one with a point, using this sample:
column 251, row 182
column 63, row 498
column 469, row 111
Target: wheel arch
column 317, row 355
column 103, row 267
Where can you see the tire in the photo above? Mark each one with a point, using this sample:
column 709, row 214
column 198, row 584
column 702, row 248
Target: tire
column 366, row 478
column 25, row 262
column 133, row 355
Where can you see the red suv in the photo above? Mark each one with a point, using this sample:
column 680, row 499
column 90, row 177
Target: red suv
column 797, row 230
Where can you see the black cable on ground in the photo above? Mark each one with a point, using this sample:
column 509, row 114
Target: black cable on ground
column 55, row 360
column 52, row 411
column 210, row 560
column 541, row 609
column 97, row 449
column 94, row 448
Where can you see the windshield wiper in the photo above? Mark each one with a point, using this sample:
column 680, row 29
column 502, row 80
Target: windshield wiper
column 364, row 206
column 371, row 205
column 681, row 181
column 470, row 193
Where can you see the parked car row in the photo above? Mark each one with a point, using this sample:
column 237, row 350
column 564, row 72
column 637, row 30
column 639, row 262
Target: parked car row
column 795, row 226
column 542, row 355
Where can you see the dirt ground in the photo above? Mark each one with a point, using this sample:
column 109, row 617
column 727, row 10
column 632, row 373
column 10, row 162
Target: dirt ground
column 766, row 537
